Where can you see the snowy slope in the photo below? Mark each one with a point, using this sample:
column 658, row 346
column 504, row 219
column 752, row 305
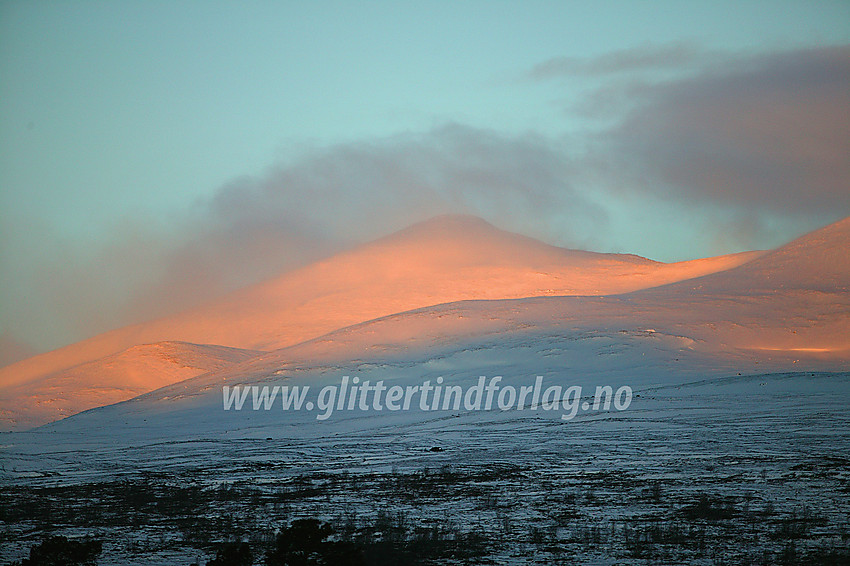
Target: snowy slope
column 111, row 379
column 793, row 301
column 446, row 259
column 715, row 411
column 714, row 326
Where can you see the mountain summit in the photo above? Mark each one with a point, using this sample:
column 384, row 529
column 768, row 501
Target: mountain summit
column 445, row 259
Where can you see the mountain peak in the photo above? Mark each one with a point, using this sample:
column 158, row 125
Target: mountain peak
column 817, row 261
column 447, row 225
column 464, row 241
column 453, row 221
column 445, row 259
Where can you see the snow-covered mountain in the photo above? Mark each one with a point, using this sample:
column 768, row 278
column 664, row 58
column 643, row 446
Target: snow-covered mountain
column 718, row 325
column 446, row 259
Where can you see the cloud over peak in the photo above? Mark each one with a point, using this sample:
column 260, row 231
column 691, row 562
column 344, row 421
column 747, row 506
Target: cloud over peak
column 769, row 132
column 715, row 149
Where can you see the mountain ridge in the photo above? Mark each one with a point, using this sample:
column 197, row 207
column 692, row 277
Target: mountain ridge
column 354, row 264
column 110, row 379
column 442, row 261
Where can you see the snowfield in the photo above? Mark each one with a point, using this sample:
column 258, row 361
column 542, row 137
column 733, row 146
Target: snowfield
column 733, row 449
column 733, row 468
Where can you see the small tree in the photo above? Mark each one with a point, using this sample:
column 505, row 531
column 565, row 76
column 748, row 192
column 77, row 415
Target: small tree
column 304, row 543
column 59, row 551
column 233, row 554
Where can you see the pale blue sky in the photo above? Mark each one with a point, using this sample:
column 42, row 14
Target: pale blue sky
column 123, row 120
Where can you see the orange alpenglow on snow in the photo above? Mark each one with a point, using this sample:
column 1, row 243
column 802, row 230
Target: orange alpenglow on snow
column 750, row 300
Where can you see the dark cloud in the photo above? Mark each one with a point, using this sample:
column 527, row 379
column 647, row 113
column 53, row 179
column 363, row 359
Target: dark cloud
column 769, row 132
column 638, row 59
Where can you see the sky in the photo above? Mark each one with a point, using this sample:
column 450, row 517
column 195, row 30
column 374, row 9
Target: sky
column 154, row 155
